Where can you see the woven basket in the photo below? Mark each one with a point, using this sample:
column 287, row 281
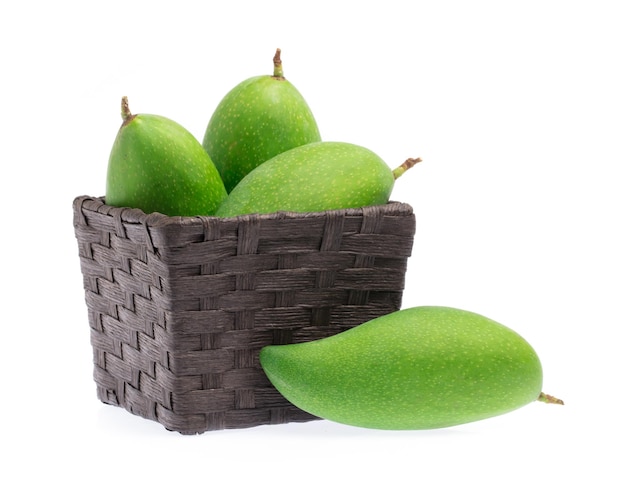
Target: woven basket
column 179, row 307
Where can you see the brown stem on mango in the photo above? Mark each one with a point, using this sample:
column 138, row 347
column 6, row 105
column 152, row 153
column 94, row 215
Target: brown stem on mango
column 127, row 116
column 125, row 109
column 405, row 166
column 549, row 399
column 278, row 66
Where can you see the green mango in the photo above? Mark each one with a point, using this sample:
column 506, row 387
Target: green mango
column 156, row 165
column 257, row 120
column 418, row 368
column 314, row 177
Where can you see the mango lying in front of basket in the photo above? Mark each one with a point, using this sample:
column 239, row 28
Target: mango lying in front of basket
column 312, row 178
column 418, row 368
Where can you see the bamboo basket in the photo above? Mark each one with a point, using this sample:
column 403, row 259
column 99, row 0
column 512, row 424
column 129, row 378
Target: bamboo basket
column 179, row 307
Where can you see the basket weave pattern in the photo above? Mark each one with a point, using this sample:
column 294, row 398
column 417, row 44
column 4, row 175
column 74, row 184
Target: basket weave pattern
column 179, row 307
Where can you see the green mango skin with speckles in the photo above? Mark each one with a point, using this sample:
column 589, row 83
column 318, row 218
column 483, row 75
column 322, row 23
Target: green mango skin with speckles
column 157, row 165
column 419, row 368
column 314, row 177
column 257, row 120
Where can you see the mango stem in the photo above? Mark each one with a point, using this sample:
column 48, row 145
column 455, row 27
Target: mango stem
column 405, row 166
column 549, row 399
column 127, row 116
column 125, row 109
column 278, row 65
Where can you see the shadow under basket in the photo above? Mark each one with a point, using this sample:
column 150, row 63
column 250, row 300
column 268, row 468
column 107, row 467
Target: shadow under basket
column 179, row 307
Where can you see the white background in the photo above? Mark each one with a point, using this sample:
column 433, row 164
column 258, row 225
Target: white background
column 518, row 111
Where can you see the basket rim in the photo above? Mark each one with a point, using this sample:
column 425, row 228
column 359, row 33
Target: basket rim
column 156, row 219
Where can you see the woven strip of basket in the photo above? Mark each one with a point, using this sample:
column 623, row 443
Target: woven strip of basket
column 179, row 307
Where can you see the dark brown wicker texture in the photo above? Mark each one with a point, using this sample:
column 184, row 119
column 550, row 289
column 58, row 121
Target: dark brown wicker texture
column 179, row 307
